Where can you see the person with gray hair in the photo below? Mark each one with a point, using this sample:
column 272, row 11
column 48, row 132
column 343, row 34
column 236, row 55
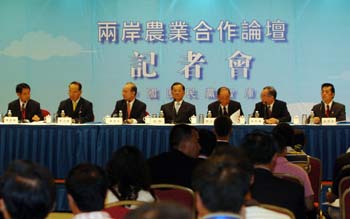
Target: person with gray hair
column 272, row 110
column 133, row 109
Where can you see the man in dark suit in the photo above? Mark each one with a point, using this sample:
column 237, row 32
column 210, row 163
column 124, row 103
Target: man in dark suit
column 76, row 107
column 261, row 149
column 272, row 110
column 223, row 131
column 224, row 106
column 133, row 109
column 25, row 108
column 328, row 107
column 178, row 111
column 176, row 166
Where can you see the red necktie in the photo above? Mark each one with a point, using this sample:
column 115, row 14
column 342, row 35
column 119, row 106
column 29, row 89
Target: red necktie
column 327, row 111
column 128, row 109
column 23, row 111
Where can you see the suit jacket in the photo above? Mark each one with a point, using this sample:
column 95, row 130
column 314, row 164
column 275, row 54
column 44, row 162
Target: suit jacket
column 172, row 167
column 138, row 110
column 182, row 116
column 83, row 112
column 337, row 110
column 32, row 108
column 268, row 189
column 216, row 111
column 279, row 111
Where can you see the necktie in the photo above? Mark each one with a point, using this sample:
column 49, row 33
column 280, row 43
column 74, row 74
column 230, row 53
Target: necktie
column 74, row 105
column 23, row 110
column 327, row 110
column 177, row 107
column 128, row 109
column 225, row 111
column 269, row 111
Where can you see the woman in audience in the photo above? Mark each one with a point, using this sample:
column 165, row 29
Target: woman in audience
column 129, row 176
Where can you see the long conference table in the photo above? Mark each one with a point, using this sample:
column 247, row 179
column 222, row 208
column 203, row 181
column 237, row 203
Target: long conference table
column 59, row 148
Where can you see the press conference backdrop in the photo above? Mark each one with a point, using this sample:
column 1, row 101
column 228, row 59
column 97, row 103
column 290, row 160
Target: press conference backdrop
column 294, row 45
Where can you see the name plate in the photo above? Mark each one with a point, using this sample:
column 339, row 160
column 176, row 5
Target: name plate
column 209, row 121
column 157, row 121
column 10, row 120
column 329, row 121
column 64, row 120
column 256, row 121
column 114, row 120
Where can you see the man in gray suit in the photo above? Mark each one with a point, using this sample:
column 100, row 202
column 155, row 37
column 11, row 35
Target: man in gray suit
column 178, row 110
column 328, row 107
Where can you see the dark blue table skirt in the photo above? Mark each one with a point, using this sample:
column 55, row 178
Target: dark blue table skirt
column 61, row 147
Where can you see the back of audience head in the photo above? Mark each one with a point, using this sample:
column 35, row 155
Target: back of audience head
column 86, row 186
column 160, row 210
column 299, row 139
column 27, row 191
column 221, row 183
column 286, row 132
column 128, row 171
column 223, row 127
column 260, row 147
column 185, row 139
column 207, row 140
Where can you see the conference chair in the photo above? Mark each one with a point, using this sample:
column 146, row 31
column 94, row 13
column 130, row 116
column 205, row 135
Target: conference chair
column 300, row 159
column 60, row 215
column 345, row 204
column 344, row 184
column 119, row 209
column 289, row 177
column 44, row 112
column 278, row 210
column 315, row 176
column 176, row 193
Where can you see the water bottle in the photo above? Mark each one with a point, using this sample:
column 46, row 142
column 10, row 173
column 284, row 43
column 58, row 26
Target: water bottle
column 256, row 114
column 209, row 115
column 9, row 113
column 62, row 113
column 120, row 114
column 161, row 114
column 312, row 115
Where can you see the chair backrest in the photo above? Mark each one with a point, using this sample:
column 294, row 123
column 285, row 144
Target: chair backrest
column 315, row 176
column 60, row 215
column 175, row 193
column 345, row 204
column 119, row 209
column 44, row 112
column 278, row 209
column 300, row 159
column 289, row 178
column 343, row 185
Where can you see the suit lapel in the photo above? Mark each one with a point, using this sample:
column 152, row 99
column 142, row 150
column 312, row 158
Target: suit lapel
column 134, row 105
column 70, row 107
column 78, row 105
column 323, row 112
column 275, row 109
